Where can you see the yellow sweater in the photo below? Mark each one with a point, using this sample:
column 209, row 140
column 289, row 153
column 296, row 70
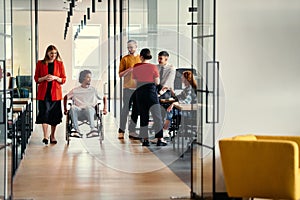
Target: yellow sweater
column 127, row 62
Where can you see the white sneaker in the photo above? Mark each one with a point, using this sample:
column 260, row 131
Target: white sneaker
column 153, row 141
column 92, row 134
column 76, row 134
column 166, row 134
column 9, row 141
column 163, row 140
column 94, row 130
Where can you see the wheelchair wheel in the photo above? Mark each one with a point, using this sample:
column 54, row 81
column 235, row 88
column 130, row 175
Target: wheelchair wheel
column 68, row 128
column 100, row 129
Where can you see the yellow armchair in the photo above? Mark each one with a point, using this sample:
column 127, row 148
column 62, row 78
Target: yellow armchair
column 261, row 166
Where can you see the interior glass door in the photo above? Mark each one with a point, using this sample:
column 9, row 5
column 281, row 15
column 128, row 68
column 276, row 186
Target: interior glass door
column 204, row 60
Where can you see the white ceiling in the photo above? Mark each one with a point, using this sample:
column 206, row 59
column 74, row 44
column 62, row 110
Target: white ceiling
column 43, row 4
column 53, row 5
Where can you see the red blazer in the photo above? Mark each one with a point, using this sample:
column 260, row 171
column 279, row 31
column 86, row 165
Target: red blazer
column 42, row 70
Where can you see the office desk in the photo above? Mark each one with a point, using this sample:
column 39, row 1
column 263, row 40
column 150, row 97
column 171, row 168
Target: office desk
column 21, row 125
column 29, row 112
column 14, row 146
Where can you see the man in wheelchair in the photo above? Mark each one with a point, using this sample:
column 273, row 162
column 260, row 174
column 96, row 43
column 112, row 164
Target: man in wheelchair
column 85, row 98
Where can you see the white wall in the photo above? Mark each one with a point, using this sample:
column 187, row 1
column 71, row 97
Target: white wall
column 51, row 31
column 21, row 43
column 258, row 49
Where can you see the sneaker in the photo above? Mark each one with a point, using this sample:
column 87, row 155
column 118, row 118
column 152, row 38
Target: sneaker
column 154, row 141
column 76, row 134
column 166, row 134
column 134, row 136
column 93, row 130
column 9, row 141
column 121, row 136
column 146, row 143
column 161, row 142
column 92, row 134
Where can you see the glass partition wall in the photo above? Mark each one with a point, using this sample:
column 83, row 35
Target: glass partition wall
column 204, row 59
column 22, row 47
column 15, row 60
column 186, row 29
column 5, row 69
column 116, row 17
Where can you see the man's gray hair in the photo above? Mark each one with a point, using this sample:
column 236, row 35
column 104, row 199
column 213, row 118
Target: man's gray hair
column 132, row 41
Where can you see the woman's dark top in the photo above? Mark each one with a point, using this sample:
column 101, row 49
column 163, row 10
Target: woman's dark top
column 49, row 86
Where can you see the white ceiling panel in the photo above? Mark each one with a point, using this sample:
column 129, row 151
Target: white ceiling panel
column 57, row 5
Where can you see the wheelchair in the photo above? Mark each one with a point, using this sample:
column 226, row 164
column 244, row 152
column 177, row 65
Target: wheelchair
column 84, row 120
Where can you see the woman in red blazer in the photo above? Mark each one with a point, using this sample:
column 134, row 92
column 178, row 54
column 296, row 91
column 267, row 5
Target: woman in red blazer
column 49, row 75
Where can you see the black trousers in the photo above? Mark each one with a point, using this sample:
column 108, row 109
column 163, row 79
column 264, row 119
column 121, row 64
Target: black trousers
column 147, row 101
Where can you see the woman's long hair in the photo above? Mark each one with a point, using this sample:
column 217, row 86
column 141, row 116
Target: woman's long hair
column 50, row 48
column 188, row 75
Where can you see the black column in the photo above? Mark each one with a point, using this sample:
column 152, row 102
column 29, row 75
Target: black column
column 108, row 54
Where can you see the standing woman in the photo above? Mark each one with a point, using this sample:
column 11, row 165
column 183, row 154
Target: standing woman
column 49, row 75
column 147, row 77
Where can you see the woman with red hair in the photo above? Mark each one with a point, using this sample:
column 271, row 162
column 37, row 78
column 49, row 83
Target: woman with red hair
column 187, row 96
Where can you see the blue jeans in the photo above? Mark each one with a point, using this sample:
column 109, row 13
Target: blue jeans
column 173, row 112
column 87, row 112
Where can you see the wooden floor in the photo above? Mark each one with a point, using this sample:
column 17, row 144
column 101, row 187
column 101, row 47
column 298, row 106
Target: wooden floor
column 87, row 170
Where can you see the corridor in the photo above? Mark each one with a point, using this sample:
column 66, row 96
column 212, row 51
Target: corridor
column 117, row 169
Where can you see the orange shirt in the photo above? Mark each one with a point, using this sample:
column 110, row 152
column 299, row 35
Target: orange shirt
column 127, row 62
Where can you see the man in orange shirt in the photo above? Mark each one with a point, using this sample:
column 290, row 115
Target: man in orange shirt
column 129, row 98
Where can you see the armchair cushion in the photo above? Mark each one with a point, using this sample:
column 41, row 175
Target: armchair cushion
column 245, row 137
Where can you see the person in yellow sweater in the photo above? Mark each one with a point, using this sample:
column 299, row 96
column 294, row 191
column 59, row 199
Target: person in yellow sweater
column 129, row 97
